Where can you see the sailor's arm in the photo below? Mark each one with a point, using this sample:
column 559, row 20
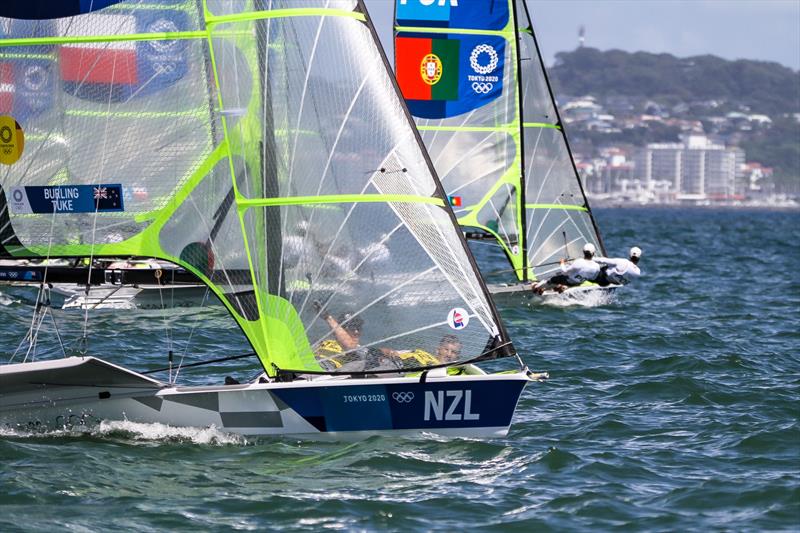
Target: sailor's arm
column 343, row 337
column 609, row 261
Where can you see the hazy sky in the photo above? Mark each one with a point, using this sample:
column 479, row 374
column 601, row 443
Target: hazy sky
column 750, row 29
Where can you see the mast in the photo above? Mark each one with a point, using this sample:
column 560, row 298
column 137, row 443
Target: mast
column 523, row 237
column 267, row 159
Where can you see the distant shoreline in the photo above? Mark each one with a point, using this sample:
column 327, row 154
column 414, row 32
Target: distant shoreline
column 611, row 205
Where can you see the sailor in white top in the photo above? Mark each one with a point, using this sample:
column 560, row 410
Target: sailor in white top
column 585, row 269
column 619, row 270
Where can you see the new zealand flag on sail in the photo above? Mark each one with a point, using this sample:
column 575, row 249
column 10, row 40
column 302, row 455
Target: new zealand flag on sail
column 465, row 14
column 446, row 75
column 118, row 71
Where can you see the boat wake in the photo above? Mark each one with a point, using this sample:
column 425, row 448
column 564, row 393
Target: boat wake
column 578, row 299
column 6, row 300
column 133, row 431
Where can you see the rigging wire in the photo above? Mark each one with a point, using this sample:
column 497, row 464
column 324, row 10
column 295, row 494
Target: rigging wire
column 189, row 340
column 167, row 330
column 33, row 330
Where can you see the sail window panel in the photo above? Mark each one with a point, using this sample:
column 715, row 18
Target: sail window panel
column 385, row 264
column 150, row 143
column 499, row 214
column 469, row 163
column 231, row 7
column 558, row 222
column 205, row 234
column 537, row 104
column 134, row 17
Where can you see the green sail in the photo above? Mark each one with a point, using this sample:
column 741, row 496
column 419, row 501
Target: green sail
column 260, row 145
column 506, row 162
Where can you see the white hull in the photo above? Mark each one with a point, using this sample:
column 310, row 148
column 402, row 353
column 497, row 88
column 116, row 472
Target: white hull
column 84, row 391
column 132, row 297
column 524, row 291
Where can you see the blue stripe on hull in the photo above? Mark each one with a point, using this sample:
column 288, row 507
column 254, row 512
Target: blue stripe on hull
column 471, row 404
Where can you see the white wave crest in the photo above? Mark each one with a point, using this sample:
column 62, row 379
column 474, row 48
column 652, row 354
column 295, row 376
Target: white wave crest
column 582, row 298
column 135, row 431
column 6, row 300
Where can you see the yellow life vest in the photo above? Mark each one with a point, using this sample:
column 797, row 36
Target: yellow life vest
column 328, row 351
column 331, row 350
column 420, row 358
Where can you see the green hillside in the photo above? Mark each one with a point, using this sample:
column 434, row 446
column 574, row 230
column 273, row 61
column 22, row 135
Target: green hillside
column 707, row 86
column 764, row 87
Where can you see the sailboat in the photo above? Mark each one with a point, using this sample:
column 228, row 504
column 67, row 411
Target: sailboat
column 105, row 284
column 473, row 78
column 275, row 161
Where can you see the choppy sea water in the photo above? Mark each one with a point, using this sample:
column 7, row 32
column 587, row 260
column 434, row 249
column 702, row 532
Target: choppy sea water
column 674, row 406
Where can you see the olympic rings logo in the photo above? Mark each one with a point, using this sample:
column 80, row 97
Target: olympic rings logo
column 481, row 87
column 403, row 397
column 483, row 49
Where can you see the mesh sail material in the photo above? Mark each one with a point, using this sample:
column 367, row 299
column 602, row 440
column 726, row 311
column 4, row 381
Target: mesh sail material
column 364, row 235
column 106, row 113
column 489, row 173
column 557, row 213
column 261, row 145
column 473, row 137
column 471, row 163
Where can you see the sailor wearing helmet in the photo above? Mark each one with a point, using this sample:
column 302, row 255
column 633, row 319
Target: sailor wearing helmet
column 619, row 270
column 581, row 270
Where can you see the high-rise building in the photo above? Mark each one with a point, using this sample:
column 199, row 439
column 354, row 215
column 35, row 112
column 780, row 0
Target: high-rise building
column 696, row 167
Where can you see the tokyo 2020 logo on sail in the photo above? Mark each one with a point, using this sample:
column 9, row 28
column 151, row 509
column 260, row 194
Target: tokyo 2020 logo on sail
column 12, row 140
column 483, row 60
column 475, row 56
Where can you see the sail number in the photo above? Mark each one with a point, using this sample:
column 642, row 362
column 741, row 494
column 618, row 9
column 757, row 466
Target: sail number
column 359, row 398
column 449, row 405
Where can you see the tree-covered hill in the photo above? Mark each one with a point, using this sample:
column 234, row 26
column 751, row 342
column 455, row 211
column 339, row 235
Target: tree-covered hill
column 705, row 88
column 764, row 87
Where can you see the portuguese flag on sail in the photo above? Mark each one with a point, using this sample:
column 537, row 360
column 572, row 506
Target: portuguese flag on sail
column 427, row 69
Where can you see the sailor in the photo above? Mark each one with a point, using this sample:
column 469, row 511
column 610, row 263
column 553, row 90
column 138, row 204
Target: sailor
column 344, row 350
column 581, row 270
column 619, row 270
column 448, row 351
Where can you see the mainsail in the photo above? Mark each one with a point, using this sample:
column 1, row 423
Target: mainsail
column 474, row 79
column 262, row 145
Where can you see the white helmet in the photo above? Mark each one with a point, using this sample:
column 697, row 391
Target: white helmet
column 589, row 248
column 636, row 252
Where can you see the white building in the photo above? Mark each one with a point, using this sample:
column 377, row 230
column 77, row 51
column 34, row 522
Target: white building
column 695, row 169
